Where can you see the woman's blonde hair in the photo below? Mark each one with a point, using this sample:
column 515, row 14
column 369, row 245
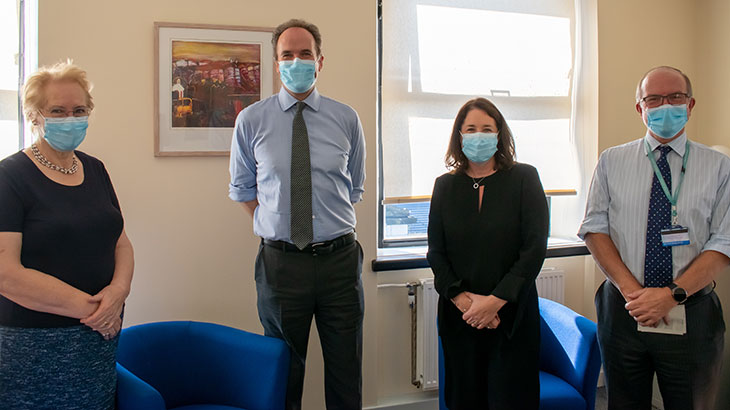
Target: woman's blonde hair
column 34, row 90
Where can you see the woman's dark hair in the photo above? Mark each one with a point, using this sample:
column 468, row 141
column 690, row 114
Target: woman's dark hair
column 505, row 155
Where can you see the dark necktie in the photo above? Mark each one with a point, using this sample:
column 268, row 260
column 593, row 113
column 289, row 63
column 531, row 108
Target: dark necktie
column 658, row 258
column 301, row 182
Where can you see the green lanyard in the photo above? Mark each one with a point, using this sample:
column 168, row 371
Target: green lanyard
column 672, row 199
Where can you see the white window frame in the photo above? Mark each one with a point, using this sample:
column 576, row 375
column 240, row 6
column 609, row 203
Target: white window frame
column 582, row 104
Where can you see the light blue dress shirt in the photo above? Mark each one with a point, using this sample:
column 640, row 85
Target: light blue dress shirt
column 618, row 200
column 261, row 164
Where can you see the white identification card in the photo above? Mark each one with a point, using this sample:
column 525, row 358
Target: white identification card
column 677, row 323
column 675, row 236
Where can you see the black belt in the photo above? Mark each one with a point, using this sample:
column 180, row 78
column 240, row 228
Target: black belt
column 317, row 248
column 702, row 292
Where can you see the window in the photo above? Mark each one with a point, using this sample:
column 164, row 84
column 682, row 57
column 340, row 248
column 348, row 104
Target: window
column 17, row 58
column 535, row 59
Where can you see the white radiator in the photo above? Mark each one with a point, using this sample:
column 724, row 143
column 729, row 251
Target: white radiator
column 550, row 285
column 427, row 351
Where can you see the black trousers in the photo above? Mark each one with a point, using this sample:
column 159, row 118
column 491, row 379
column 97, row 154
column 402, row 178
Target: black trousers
column 487, row 370
column 292, row 288
column 687, row 366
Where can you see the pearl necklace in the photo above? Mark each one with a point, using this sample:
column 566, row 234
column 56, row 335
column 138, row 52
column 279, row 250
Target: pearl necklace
column 45, row 162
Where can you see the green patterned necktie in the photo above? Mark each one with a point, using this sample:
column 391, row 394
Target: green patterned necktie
column 301, row 182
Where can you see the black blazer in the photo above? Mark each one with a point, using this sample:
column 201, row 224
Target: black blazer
column 498, row 250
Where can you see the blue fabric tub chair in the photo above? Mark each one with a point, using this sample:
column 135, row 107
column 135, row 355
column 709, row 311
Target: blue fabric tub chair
column 569, row 360
column 199, row 366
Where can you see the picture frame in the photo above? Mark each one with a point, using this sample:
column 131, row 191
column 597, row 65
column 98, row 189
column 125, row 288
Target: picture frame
column 204, row 76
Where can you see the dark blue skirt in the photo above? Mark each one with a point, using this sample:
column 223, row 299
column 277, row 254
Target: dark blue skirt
column 56, row 368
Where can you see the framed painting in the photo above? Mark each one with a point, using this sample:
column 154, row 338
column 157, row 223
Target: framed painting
column 204, row 76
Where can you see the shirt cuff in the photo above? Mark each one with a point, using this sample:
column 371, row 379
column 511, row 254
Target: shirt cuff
column 240, row 194
column 509, row 288
column 454, row 289
column 718, row 243
column 356, row 196
column 592, row 227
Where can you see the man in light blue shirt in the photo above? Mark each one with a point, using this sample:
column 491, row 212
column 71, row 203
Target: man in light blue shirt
column 660, row 267
column 309, row 261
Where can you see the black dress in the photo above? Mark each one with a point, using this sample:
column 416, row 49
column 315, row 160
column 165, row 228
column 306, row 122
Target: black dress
column 497, row 250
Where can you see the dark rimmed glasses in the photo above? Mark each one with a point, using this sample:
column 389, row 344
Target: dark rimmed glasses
column 652, row 101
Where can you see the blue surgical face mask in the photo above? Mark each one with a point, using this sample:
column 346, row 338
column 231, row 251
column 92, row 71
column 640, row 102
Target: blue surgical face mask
column 667, row 120
column 479, row 146
column 298, row 75
column 65, row 134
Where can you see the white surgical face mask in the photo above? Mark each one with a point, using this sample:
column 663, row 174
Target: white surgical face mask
column 65, row 134
column 479, row 146
column 297, row 75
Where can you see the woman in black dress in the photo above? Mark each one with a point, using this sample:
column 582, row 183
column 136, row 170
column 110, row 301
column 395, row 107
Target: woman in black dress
column 487, row 237
column 65, row 262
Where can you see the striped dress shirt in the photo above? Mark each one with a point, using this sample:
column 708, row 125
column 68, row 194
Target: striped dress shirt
column 618, row 200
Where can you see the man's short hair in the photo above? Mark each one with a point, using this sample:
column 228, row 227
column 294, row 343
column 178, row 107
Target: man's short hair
column 665, row 67
column 311, row 28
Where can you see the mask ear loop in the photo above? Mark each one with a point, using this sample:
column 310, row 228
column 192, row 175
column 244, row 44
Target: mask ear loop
column 38, row 124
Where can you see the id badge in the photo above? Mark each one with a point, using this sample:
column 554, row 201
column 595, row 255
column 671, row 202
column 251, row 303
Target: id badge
column 675, row 235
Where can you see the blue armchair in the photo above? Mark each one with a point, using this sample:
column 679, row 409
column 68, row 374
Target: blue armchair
column 569, row 360
column 199, row 366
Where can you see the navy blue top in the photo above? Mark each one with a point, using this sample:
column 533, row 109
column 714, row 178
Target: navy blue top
column 69, row 232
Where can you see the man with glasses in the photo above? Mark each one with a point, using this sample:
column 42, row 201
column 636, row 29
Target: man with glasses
column 657, row 223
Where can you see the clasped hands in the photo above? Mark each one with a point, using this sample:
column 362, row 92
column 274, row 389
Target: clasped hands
column 649, row 306
column 107, row 318
column 479, row 311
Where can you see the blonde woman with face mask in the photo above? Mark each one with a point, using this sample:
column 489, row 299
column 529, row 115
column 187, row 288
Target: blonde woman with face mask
column 65, row 261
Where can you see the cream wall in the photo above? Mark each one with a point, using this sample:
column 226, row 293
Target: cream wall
column 195, row 248
column 634, row 36
column 712, row 81
column 712, row 85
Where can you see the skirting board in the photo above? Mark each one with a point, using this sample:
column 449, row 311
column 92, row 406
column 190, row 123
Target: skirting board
column 407, row 404
column 411, row 403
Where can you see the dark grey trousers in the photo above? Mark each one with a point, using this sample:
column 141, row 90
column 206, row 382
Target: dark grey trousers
column 292, row 288
column 687, row 366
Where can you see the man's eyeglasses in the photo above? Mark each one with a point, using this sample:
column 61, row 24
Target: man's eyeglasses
column 59, row 112
column 652, row 101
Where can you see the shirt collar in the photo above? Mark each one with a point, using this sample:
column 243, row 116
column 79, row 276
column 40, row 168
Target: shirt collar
column 678, row 145
column 287, row 101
